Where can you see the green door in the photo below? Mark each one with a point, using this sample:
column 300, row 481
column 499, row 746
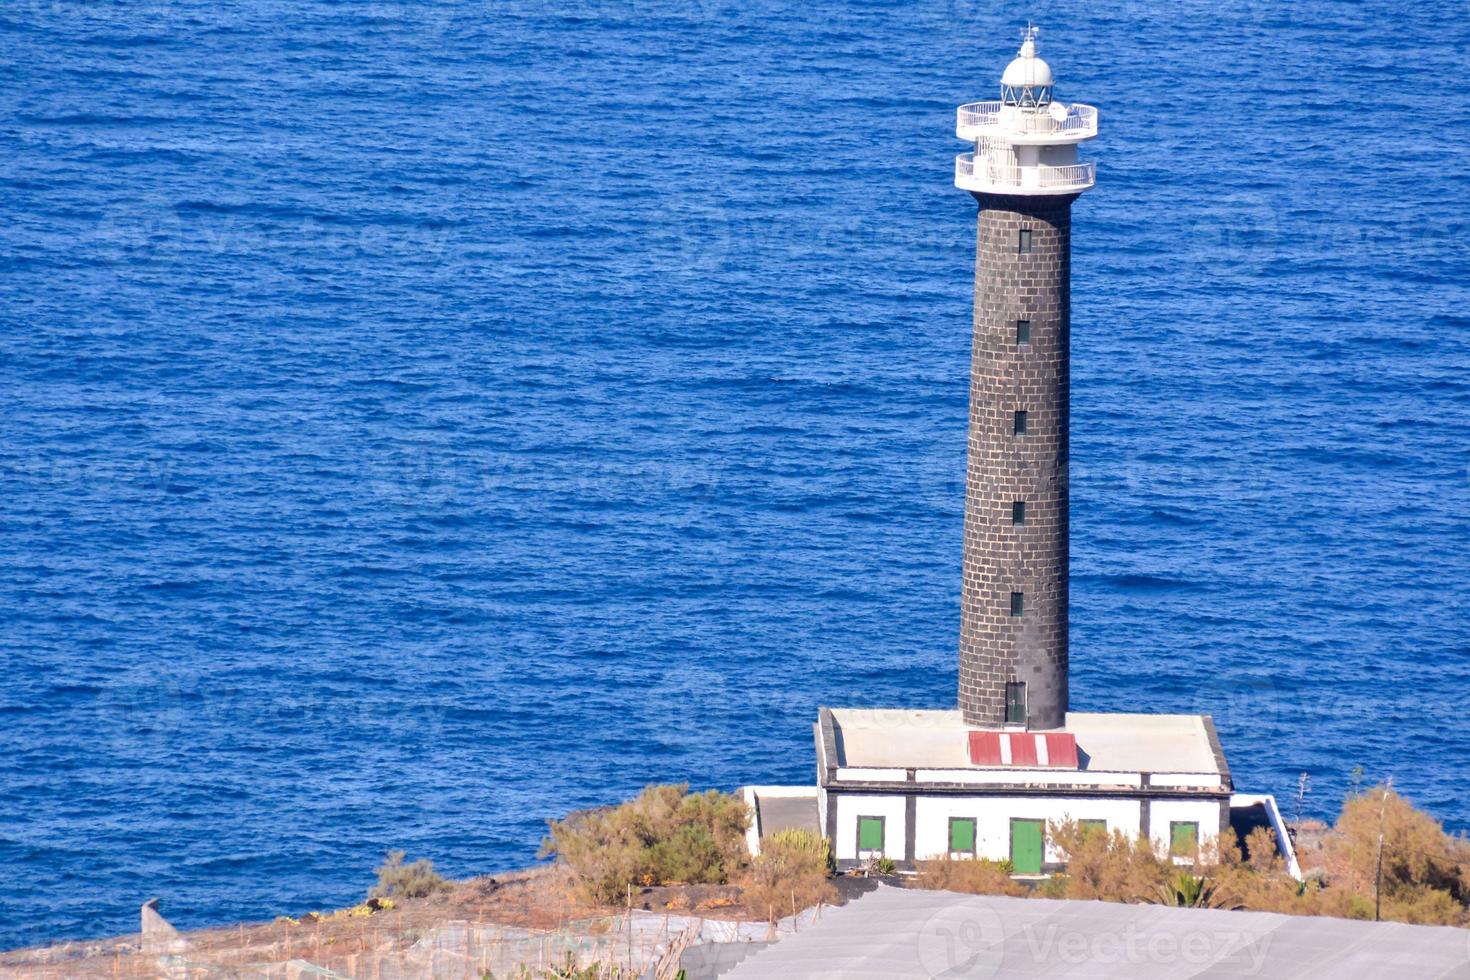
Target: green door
column 1026, row 847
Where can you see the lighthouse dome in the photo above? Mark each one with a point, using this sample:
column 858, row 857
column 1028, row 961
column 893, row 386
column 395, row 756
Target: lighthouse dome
column 1027, row 80
column 1027, row 71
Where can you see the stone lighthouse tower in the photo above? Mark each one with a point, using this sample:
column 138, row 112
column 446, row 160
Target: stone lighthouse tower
column 1024, row 174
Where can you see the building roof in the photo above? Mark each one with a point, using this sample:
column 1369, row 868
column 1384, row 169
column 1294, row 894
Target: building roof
column 899, row 933
column 1031, row 749
column 886, row 738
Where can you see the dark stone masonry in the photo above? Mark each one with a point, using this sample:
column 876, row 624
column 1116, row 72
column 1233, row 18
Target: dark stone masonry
column 1013, row 607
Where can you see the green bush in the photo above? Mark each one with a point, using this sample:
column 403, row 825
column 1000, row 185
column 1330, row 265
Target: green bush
column 666, row 835
column 688, row 855
column 413, row 880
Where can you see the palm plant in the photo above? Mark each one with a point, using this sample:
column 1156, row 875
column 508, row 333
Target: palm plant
column 1189, row 891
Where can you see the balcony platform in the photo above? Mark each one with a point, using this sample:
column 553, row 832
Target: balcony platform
column 992, row 120
column 988, row 177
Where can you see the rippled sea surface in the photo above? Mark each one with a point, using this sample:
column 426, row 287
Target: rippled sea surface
column 418, row 420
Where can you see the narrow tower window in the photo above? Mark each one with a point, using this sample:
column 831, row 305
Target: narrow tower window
column 1015, row 703
column 1023, row 332
column 1018, row 513
column 1018, row 603
column 1023, row 245
column 1020, row 423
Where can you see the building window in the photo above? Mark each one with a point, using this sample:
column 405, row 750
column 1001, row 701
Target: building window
column 870, row 835
column 1090, row 827
column 1023, row 245
column 1183, row 839
column 1018, row 603
column 1020, row 423
column 1023, row 332
column 961, row 836
column 1018, row 513
column 1015, row 703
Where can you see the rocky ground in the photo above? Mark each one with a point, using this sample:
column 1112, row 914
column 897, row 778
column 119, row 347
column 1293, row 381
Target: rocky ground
column 489, row 923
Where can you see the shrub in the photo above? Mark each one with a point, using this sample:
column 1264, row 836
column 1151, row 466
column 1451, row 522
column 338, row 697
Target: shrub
column 789, row 874
column 413, row 880
column 804, row 840
column 1260, row 883
column 1111, row 867
column 1260, row 844
column 974, row 876
column 1422, row 865
column 665, row 835
column 1424, row 869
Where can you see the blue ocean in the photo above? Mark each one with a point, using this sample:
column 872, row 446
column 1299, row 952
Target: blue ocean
column 420, row 419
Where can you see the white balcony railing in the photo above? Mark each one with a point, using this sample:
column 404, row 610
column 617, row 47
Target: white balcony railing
column 1079, row 121
column 985, row 174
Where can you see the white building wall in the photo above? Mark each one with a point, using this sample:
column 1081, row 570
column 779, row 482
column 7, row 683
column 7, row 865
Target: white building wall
column 851, row 806
column 993, row 816
column 1162, row 813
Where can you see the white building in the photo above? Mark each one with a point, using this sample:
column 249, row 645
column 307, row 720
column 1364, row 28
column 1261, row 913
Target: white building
column 917, row 785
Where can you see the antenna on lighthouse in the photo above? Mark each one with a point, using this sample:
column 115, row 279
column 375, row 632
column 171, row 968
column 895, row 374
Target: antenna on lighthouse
column 1028, row 40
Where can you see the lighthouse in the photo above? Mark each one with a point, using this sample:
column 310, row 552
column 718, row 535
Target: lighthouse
column 1024, row 174
column 988, row 779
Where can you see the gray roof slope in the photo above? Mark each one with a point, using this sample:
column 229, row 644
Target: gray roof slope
column 899, row 933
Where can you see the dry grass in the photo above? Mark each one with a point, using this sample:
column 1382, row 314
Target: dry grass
column 974, row 877
column 470, row 919
column 379, row 945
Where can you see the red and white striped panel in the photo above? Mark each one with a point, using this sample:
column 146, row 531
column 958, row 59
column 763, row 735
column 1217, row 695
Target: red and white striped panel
column 1029, row 750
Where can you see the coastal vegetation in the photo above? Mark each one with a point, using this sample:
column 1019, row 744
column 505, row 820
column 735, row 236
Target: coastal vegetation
column 416, row 879
column 668, row 835
column 665, row 835
column 1425, row 872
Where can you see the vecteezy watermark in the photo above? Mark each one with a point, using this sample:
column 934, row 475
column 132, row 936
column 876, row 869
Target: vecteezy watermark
column 1243, row 951
column 1258, row 700
column 968, row 941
